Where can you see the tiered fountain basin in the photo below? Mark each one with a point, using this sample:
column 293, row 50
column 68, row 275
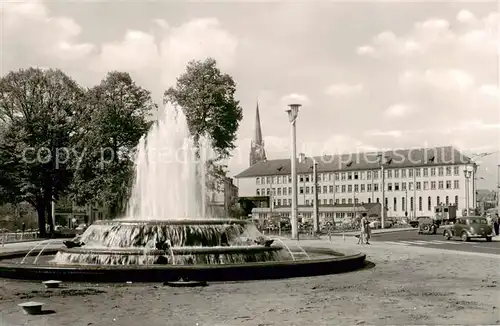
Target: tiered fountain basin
column 168, row 250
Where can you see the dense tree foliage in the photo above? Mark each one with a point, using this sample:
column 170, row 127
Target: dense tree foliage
column 117, row 115
column 206, row 96
column 38, row 110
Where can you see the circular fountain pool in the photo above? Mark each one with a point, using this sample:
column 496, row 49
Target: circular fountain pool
column 196, row 249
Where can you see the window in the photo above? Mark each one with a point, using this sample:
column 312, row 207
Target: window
column 456, row 201
column 375, row 175
column 331, row 201
column 419, row 185
column 349, row 188
column 325, row 189
column 258, row 192
column 356, row 176
column 362, row 188
column 395, row 206
column 301, row 191
column 433, row 172
column 279, row 179
column 368, row 175
column 369, row 200
column 375, row 187
column 307, row 202
column 337, row 176
column 403, row 204
column 403, row 173
column 396, row 186
column 440, row 171
column 268, row 192
column 257, row 180
column 301, row 178
column 429, row 203
column 343, row 200
column 290, row 190
column 426, row 172
column 456, row 184
column 289, row 179
column 361, row 176
column 356, row 188
column 448, row 184
column 369, row 187
column 275, row 179
column 426, row 185
column 410, row 185
column 343, row 188
column 410, row 173
column 269, row 180
column 320, row 177
column 378, row 200
column 325, row 201
column 389, row 174
column 448, row 171
column 403, row 185
column 441, row 185
column 343, row 175
column 447, row 198
column 411, row 204
column 337, row 201
column 349, row 176
column 396, row 173
column 417, row 172
column 279, row 191
column 307, row 190
column 420, row 204
column 356, row 200
column 307, row 177
column 279, row 202
column 336, row 188
column 433, row 185
column 349, row 201
column 456, row 170
column 389, row 186
column 284, row 191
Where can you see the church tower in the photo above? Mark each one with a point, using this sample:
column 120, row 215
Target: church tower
column 257, row 151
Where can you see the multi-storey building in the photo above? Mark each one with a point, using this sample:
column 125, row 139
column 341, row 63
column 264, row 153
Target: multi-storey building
column 415, row 180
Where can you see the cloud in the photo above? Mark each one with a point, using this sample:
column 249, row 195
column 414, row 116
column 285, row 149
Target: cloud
column 387, row 133
column 342, row 89
column 465, row 16
column 398, row 110
column 446, row 79
column 295, row 98
column 490, row 90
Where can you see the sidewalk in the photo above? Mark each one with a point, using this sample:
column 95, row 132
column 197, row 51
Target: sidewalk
column 375, row 231
column 15, row 246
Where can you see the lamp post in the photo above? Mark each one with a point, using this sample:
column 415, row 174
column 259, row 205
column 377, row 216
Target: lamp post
column 406, row 202
column 293, row 112
column 467, row 173
column 382, row 171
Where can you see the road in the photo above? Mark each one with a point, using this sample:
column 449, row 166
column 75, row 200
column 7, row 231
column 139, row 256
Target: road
column 408, row 238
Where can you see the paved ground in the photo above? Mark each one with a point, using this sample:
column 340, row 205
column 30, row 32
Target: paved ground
column 408, row 286
column 407, row 238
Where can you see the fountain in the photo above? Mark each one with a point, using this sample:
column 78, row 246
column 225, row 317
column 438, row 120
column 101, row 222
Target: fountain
column 168, row 233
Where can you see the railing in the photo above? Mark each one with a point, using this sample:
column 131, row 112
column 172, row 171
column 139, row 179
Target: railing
column 7, row 237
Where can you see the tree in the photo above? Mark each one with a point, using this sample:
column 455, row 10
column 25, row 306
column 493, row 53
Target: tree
column 117, row 116
column 37, row 111
column 206, row 97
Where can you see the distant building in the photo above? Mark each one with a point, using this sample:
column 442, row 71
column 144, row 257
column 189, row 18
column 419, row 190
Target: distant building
column 222, row 201
column 416, row 180
column 66, row 210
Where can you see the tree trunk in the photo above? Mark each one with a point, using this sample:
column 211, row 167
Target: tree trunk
column 40, row 210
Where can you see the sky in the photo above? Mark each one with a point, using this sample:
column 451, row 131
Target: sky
column 370, row 75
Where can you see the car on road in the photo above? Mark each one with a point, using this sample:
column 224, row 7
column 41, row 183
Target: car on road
column 469, row 227
column 377, row 224
column 416, row 223
column 427, row 225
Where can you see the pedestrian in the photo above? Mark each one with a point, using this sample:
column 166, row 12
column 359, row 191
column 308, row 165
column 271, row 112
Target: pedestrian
column 362, row 232
column 496, row 224
column 367, row 229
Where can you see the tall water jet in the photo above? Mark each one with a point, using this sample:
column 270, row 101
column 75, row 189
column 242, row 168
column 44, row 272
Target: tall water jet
column 170, row 171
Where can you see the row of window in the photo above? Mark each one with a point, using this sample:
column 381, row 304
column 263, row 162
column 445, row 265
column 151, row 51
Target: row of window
column 394, row 208
column 426, row 185
column 365, row 175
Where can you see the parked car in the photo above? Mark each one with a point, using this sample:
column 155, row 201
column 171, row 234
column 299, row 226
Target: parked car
column 470, row 227
column 427, row 225
column 377, row 224
column 416, row 223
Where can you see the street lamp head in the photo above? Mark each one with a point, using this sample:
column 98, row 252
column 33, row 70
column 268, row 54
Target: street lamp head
column 293, row 111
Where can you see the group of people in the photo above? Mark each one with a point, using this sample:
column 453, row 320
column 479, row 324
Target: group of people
column 365, row 234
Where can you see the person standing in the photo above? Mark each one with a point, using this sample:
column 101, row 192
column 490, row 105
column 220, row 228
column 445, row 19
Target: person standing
column 366, row 223
column 362, row 232
column 496, row 224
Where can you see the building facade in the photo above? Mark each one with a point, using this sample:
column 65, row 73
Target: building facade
column 415, row 180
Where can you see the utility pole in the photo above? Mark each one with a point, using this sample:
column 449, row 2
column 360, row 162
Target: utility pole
column 406, row 203
column 315, row 199
column 293, row 112
column 414, row 193
column 382, row 171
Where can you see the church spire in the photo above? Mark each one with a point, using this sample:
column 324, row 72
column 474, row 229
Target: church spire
column 257, row 151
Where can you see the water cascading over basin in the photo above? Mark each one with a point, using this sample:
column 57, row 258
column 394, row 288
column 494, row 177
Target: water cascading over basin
column 166, row 220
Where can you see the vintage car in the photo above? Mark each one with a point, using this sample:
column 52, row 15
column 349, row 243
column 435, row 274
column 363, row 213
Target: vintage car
column 469, row 227
column 427, row 225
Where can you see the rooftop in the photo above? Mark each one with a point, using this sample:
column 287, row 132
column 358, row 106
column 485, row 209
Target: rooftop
column 397, row 158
